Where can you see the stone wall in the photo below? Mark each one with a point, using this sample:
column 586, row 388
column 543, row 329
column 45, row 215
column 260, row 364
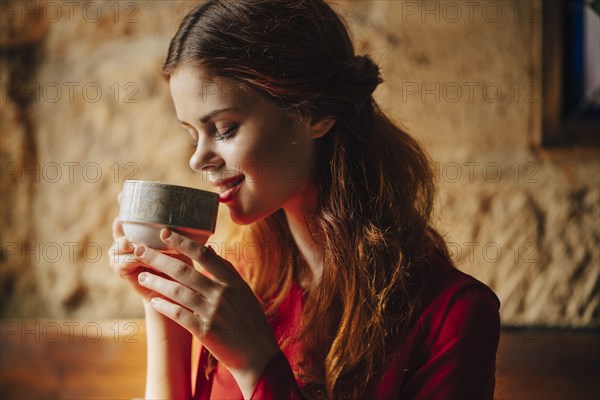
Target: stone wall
column 83, row 109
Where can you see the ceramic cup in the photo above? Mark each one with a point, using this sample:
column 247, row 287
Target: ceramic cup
column 147, row 207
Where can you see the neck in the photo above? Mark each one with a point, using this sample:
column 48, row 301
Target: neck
column 301, row 222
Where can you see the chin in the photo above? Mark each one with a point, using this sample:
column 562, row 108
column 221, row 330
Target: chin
column 240, row 218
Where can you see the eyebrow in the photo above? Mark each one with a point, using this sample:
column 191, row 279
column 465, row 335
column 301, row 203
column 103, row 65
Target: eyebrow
column 210, row 115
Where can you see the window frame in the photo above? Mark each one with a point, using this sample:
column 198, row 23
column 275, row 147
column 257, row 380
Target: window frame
column 556, row 129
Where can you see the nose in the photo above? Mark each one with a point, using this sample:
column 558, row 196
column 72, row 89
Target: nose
column 205, row 158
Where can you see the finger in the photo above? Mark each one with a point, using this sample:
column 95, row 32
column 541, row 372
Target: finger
column 220, row 269
column 179, row 314
column 117, row 229
column 174, row 268
column 120, row 255
column 122, row 246
column 172, row 290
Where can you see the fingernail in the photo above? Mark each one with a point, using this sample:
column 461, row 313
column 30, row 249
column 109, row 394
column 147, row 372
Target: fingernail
column 166, row 233
column 142, row 277
column 140, row 251
column 154, row 301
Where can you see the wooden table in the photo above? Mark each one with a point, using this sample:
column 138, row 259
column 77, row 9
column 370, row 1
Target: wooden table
column 62, row 359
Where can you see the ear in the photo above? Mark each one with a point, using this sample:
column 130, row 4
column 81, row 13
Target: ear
column 320, row 128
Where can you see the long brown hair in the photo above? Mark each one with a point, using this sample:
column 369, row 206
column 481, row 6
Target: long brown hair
column 374, row 183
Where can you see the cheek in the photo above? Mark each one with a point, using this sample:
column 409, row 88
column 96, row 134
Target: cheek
column 296, row 164
column 258, row 161
column 278, row 167
column 278, row 155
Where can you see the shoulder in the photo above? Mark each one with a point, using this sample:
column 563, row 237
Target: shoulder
column 444, row 284
column 456, row 304
column 451, row 347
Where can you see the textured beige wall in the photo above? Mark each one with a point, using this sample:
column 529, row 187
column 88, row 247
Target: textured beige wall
column 463, row 77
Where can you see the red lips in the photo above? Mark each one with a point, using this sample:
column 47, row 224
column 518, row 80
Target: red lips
column 228, row 187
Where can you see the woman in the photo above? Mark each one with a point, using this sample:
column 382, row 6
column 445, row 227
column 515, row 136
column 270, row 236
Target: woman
column 351, row 293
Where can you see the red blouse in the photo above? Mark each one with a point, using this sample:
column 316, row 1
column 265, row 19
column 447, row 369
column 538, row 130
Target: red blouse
column 450, row 352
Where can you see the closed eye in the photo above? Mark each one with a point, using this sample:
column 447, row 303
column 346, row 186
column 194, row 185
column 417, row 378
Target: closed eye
column 228, row 133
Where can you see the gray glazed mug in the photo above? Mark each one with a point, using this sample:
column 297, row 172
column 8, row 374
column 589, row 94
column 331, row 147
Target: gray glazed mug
column 147, row 207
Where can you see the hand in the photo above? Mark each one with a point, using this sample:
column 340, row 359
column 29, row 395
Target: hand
column 125, row 264
column 221, row 310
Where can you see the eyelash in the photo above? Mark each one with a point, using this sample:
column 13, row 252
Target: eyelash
column 222, row 136
column 227, row 134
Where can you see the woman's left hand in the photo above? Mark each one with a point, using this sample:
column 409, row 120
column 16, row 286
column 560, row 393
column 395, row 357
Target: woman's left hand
column 222, row 311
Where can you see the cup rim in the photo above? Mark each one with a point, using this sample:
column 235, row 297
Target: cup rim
column 170, row 185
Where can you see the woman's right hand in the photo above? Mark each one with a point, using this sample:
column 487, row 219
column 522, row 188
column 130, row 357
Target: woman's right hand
column 127, row 266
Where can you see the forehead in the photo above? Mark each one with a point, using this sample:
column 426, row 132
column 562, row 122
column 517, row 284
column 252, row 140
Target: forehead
column 190, row 84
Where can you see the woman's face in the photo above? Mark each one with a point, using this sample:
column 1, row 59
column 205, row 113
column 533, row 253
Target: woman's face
column 257, row 158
